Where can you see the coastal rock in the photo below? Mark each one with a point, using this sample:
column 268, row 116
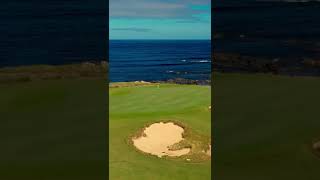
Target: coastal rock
column 186, row 81
column 104, row 64
column 243, row 63
column 311, row 62
column 88, row 65
column 316, row 146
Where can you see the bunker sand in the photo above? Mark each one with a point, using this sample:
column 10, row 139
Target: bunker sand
column 158, row 137
column 208, row 152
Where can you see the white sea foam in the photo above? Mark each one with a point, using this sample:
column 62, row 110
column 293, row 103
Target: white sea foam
column 201, row 61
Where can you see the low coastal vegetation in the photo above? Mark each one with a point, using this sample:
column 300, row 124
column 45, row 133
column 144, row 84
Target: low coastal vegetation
column 97, row 69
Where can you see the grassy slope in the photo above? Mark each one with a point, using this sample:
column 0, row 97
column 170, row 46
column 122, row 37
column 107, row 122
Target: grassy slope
column 131, row 108
column 264, row 126
column 53, row 129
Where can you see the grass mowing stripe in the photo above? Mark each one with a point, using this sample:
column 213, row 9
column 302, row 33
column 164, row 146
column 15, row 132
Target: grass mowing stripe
column 139, row 106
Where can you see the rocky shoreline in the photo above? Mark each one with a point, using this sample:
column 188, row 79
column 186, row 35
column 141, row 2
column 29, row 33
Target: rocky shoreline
column 222, row 62
column 89, row 69
column 230, row 62
column 185, row 81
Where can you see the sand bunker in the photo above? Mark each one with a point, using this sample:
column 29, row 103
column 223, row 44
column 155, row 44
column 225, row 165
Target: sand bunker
column 208, row 152
column 158, row 137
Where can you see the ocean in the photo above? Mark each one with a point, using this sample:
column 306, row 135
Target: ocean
column 286, row 30
column 52, row 32
column 158, row 60
column 60, row 32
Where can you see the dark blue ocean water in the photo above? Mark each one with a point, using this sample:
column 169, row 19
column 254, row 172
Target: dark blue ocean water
column 152, row 60
column 52, row 32
column 273, row 29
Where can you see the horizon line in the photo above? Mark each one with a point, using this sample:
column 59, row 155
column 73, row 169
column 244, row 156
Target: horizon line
column 160, row 39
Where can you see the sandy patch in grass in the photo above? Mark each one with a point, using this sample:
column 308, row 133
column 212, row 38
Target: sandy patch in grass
column 208, row 152
column 158, row 137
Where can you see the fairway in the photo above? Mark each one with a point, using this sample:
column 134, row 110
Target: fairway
column 131, row 108
column 53, row 129
column 264, row 127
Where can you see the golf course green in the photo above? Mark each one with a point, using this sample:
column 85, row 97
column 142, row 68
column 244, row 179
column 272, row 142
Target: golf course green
column 265, row 126
column 53, row 129
column 132, row 108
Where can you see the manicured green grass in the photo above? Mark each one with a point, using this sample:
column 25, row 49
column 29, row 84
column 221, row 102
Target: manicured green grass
column 131, row 108
column 53, row 129
column 264, row 126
